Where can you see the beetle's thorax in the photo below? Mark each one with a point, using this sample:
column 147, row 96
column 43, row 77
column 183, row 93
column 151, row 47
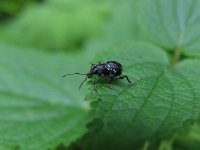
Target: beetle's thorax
column 97, row 69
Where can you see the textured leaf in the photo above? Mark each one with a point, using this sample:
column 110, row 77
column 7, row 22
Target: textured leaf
column 38, row 108
column 189, row 69
column 173, row 24
column 162, row 101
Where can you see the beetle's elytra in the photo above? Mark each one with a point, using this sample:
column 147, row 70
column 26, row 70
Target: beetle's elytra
column 109, row 69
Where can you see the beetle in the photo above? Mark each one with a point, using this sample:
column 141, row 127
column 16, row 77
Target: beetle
column 110, row 69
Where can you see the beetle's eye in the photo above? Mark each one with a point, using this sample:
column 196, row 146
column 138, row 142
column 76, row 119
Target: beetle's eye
column 93, row 65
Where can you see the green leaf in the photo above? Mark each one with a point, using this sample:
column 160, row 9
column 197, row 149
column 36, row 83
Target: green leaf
column 189, row 69
column 38, row 108
column 123, row 27
column 173, row 24
column 163, row 100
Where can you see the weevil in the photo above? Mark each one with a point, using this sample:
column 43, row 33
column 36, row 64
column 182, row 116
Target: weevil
column 110, row 69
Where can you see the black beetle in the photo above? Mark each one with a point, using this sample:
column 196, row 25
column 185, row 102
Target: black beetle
column 110, row 69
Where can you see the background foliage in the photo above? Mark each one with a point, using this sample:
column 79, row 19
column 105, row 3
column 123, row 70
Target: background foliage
column 156, row 41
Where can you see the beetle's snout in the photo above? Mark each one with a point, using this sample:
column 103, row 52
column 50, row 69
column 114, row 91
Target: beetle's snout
column 89, row 75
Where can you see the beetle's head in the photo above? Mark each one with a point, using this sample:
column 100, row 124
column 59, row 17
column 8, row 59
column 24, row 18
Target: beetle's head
column 93, row 70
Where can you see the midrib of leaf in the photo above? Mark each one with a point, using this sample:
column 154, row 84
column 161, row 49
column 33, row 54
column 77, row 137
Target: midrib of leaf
column 170, row 110
column 178, row 50
column 174, row 20
column 190, row 14
column 148, row 96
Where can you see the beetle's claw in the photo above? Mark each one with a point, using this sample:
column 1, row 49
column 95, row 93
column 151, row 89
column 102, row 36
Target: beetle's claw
column 94, row 86
column 110, row 86
column 132, row 83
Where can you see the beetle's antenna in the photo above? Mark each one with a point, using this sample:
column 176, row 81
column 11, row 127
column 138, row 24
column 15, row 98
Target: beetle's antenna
column 74, row 73
column 83, row 82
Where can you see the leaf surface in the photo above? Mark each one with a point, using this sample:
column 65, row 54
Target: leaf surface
column 173, row 24
column 163, row 100
column 38, row 108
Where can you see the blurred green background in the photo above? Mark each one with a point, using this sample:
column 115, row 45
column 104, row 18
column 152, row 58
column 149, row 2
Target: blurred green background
column 52, row 25
column 40, row 40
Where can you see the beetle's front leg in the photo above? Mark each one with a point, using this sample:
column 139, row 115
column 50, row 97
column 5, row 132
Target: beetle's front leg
column 109, row 83
column 95, row 82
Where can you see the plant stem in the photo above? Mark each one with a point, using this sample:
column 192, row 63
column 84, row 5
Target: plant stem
column 167, row 144
column 177, row 52
column 176, row 55
column 146, row 145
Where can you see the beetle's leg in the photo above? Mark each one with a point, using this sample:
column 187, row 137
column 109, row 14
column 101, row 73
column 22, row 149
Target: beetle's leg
column 124, row 76
column 99, row 79
column 109, row 83
column 83, row 82
column 95, row 82
column 111, row 79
